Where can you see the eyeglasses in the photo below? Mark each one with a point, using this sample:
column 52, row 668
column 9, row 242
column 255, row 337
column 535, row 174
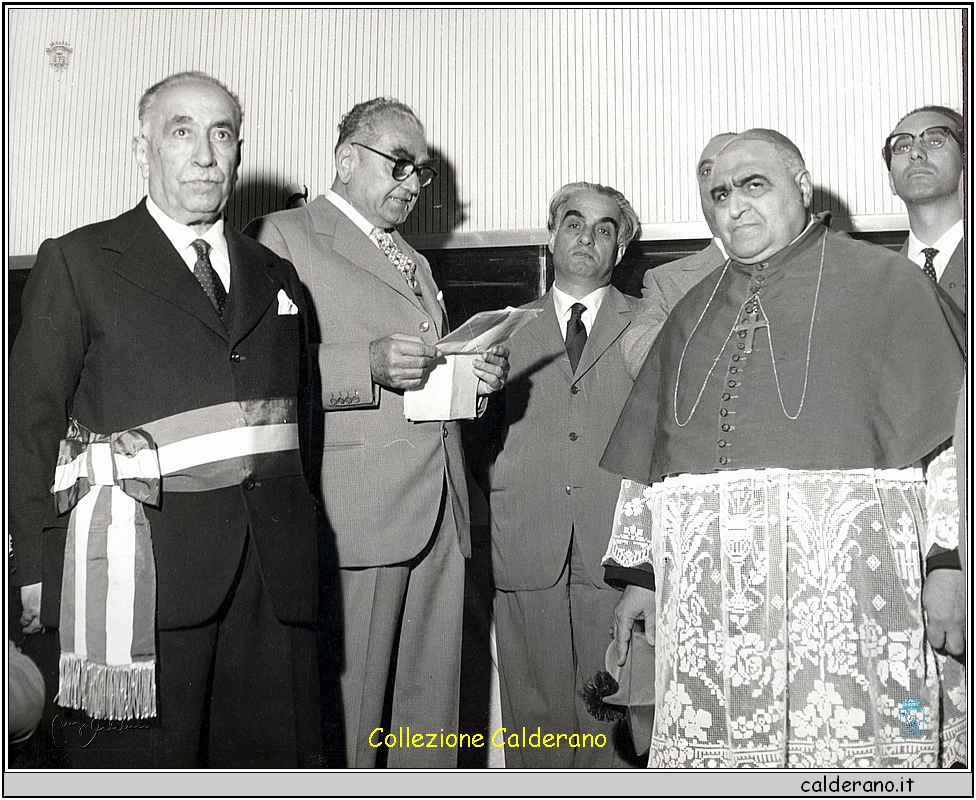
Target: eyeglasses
column 403, row 168
column 933, row 138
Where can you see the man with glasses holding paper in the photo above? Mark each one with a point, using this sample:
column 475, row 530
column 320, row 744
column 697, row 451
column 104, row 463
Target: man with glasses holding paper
column 394, row 491
column 924, row 156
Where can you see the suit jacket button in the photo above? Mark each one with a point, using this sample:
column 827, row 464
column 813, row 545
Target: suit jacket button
column 574, row 389
column 569, row 490
column 424, row 326
column 235, row 357
column 249, row 484
column 573, row 437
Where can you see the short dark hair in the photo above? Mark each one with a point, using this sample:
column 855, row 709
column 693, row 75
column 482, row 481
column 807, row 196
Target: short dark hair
column 629, row 223
column 148, row 99
column 361, row 120
column 954, row 116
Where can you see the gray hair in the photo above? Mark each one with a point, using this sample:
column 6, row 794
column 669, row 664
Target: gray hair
column 629, row 223
column 361, row 120
column 148, row 99
column 783, row 145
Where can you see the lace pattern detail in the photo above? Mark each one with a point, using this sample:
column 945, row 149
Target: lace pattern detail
column 790, row 627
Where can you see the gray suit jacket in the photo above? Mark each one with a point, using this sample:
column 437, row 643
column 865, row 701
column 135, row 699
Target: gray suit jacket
column 546, row 480
column 953, row 279
column 382, row 477
column 664, row 286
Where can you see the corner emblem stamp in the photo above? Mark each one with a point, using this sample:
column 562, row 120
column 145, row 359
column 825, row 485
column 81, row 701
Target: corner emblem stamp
column 59, row 54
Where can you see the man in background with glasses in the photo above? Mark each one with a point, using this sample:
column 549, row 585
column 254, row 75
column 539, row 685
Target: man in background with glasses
column 394, row 491
column 924, row 156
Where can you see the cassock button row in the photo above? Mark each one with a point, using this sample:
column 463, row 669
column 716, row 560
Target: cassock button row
column 762, row 266
column 740, row 345
column 760, row 278
column 425, row 326
column 736, row 357
column 733, row 370
column 726, row 396
column 573, row 436
column 726, row 427
column 723, row 412
column 732, row 384
column 723, row 460
column 722, row 443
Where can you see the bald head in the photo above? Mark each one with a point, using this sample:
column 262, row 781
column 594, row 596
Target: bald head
column 761, row 191
column 704, row 171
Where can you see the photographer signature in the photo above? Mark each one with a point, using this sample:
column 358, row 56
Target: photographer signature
column 86, row 730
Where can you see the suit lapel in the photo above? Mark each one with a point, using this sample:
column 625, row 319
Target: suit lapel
column 254, row 286
column 148, row 259
column 614, row 316
column 547, row 331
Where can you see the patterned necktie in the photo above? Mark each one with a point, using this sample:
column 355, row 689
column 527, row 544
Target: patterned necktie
column 929, row 266
column 397, row 257
column 209, row 280
column 575, row 335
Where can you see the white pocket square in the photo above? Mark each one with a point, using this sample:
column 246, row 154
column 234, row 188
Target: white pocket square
column 285, row 305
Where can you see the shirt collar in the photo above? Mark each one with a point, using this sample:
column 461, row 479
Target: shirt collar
column 349, row 210
column 946, row 245
column 183, row 236
column 721, row 246
column 564, row 302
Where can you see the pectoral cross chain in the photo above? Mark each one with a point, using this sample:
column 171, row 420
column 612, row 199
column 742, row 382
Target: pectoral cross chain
column 749, row 326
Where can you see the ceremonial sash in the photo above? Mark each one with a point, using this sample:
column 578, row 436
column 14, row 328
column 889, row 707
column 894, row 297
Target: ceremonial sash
column 108, row 599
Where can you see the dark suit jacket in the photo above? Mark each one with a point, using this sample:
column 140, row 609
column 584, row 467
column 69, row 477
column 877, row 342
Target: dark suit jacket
column 117, row 333
column 383, row 477
column 663, row 287
column 546, row 480
column 953, row 279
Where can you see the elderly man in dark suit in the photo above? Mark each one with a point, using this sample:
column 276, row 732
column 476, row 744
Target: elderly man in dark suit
column 664, row 286
column 924, row 156
column 394, row 491
column 551, row 504
column 166, row 351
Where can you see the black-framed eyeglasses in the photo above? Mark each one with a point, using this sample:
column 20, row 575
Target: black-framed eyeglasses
column 899, row 144
column 403, row 168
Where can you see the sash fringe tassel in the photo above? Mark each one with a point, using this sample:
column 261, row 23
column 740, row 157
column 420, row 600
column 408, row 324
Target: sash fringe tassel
column 121, row 692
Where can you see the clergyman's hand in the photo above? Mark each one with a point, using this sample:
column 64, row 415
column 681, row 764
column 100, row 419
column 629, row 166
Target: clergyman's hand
column 401, row 362
column 30, row 600
column 492, row 369
column 944, row 601
column 635, row 603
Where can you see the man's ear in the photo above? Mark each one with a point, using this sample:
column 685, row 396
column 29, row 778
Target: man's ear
column 552, row 241
column 891, row 183
column 346, row 159
column 621, row 249
column 140, row 149
column 805, row 184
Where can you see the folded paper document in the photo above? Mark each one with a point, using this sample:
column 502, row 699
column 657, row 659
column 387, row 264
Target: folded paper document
column 451, row 388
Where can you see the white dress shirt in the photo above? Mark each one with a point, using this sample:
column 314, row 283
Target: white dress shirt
column 564, row 307
column 947, row 244
column 183, row 236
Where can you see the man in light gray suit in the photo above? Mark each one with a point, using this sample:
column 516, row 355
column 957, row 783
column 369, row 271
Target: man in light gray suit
column 551, row 505
column 924, row 156
column 394, row 491
column 664, row 286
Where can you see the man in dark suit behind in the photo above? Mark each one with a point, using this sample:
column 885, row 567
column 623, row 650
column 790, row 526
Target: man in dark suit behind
column 924, row 156
column 664, row 286
column 551, row 504
column 180, row 343
column 394, row 491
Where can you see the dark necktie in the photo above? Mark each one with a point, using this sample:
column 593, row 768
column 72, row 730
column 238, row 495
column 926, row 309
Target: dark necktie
column 575, row 335
column 397, row 257
column 929, row 266
column 209, row 280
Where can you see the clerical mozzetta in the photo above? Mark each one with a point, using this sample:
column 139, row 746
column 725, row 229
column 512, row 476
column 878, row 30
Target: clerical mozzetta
column 789, row 480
